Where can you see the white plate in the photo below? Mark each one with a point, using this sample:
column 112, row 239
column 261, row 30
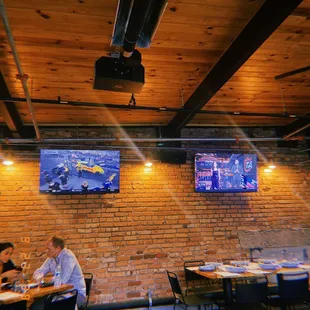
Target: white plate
column 290, row 264
column 269, row 266
column 239, row 263
column 216, row 264
column 267, row 261
column 235, row 269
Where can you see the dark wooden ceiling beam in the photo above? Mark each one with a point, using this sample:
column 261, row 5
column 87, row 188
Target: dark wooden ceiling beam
column 298, row 126
column 267, row 19
column 9, row 111
column 11, row 118
column 293, row 132
column 302, row 12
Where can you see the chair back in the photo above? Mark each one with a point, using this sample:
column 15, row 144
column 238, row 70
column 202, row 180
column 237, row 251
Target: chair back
column 61, row 301
column 88, row 281
column 293, row 285
column 252, row 292
column 175, row 286
column 272, row 278
column 189, row 275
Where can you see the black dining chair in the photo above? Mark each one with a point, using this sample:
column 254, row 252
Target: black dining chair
column 251, row 293
column 293, row 290
column 273, row 288
column 182, row 300
column 194, row 282
column 61, row 301
column 201, row 286
column 88, row 281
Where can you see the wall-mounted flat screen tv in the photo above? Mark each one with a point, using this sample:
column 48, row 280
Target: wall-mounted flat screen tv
column 79, row 171
column 225, row 172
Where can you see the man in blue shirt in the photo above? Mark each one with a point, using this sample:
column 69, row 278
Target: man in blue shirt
column 71, row 272
column 237, row 170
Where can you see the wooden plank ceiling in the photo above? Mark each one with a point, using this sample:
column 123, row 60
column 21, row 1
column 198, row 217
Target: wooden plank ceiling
column 59, row 41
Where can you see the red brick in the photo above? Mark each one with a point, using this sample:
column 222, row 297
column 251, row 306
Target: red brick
column 134, row 283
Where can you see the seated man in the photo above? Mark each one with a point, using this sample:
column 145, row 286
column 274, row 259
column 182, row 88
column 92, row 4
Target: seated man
column 71, row 271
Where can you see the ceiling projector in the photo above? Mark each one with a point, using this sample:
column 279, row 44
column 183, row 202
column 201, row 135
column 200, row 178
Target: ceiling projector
column 119, row 74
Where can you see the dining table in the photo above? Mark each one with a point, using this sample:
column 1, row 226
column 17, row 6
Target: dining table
column 9, row 297
column 251, row 272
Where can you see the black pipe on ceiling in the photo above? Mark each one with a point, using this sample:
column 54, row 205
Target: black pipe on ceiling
column 156, row 109
column 152, row 19
column 135, row 24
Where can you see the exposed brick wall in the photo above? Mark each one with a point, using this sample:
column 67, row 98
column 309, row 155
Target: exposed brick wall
column 128, row 240
column 275, row 238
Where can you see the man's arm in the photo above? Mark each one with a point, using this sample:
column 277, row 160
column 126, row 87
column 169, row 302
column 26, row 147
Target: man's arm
column 45, row 268
column 67, row 266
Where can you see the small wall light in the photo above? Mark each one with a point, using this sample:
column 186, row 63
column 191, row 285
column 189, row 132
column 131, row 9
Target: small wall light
column 7, row 159
column 267, row 170
column 272, row 165
column 148, row 164
column 8, row 162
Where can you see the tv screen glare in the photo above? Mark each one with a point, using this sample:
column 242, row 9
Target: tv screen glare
column 225, row 172
column 79, row 171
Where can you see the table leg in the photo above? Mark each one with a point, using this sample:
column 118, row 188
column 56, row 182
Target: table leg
column 228, row 295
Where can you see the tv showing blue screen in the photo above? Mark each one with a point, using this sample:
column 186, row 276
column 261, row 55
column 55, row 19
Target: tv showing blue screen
column 225, row 172
column 79, row 171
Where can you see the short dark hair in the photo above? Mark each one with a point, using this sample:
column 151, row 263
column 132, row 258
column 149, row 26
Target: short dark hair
column 58, row 242
column 5, row 245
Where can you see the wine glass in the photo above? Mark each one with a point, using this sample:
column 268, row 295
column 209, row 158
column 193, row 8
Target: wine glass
column 273, row 258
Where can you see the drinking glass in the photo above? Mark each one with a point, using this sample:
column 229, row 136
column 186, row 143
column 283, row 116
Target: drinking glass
column 38, row 277
column 284, row 255
column 292, row 257
column 274, row 259
column 259, row 258
column 219, row 263
column 25, row 288
column 244, row 260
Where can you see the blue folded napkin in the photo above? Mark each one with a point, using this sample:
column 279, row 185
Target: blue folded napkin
column 207, row 268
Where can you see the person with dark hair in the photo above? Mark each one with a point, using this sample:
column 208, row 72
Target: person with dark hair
column 84, row 186
column 108, row 183
column 7, row 267
column 79, row 170
column 215, row 176
column 64, row 180
column 54, row 186
column 47, row 177
column 62, row 258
